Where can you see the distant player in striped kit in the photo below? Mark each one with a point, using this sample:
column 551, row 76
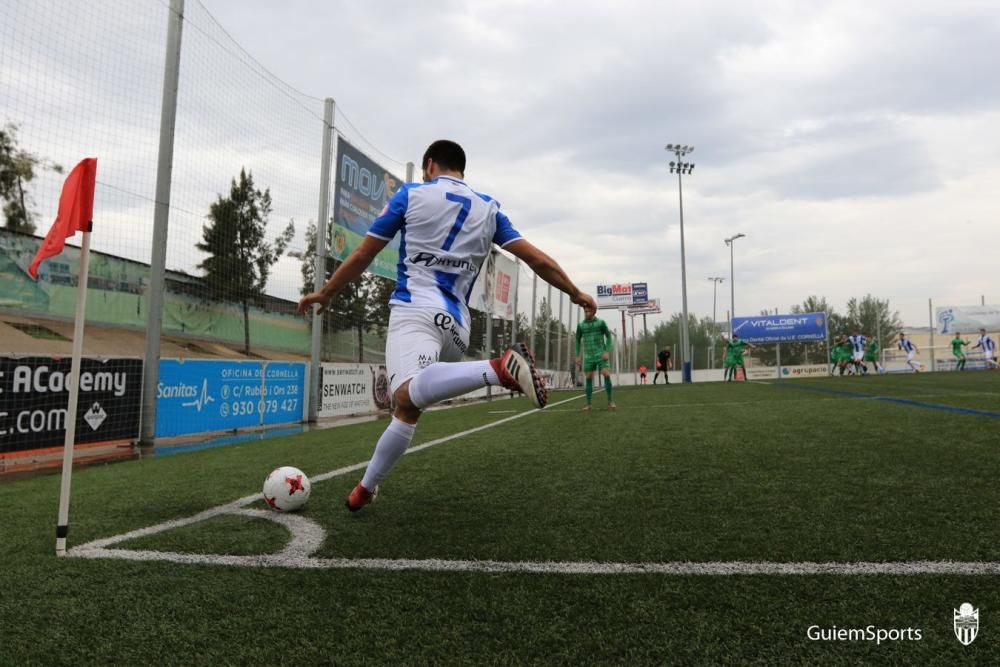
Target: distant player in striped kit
column 594, row 335
column 906, row 345
column 989, row 347
column 857, row 341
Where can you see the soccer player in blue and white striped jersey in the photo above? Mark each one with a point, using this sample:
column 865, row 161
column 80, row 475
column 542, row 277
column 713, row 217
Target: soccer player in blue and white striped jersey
column 446, row 230
column 907, row 345
column 989, row 348
column 857, row 341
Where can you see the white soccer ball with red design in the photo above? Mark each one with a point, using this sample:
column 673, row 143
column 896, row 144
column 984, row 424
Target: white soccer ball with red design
column 286, row 489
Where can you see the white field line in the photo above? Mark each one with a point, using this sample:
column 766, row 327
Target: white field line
column 678, row 406
column 711, row 568
column 308, row 537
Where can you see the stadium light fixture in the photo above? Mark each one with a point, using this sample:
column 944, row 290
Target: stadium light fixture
column 680, row 167
column 731, row 242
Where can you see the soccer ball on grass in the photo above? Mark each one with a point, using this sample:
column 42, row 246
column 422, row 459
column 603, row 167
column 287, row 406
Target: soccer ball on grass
column 286, row 489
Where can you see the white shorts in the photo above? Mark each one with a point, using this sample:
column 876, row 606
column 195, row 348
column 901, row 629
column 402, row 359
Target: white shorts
column 858, row 356
column 911, row 355
column 419, row 337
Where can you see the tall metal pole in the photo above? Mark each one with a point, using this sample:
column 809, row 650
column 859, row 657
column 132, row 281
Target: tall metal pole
column 534, row 303
column 632, row 359
column 683, row 168
column 685, row 343
column 715, row 326
column 517, row 285
column 732, row 289
column 878, row 337
column 548, row 328
column 558, row 336
column 161, row 218
column 491, row 266
column 569, row 341
column 930, row 317
column 731, row 242
column 319, row 266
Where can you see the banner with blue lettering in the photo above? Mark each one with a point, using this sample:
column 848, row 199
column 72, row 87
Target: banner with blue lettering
column 361, row 191
column 199, row 395
column 796, row 328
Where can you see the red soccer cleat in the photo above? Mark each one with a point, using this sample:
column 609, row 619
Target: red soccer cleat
column 360, row 497
column 516, row 370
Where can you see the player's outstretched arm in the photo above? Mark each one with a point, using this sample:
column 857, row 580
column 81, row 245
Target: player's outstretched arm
column 549, row 270
column 351, row 268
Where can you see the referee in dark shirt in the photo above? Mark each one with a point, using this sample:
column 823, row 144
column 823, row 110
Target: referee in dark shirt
column 662, row 364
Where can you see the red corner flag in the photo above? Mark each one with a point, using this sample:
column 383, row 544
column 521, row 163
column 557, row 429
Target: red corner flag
column 76, row 212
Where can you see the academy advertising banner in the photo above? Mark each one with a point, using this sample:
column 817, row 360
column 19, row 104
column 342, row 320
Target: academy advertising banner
column 494, row 289
column 796, row 328
column 34, row 392
column 353, row 389
column 361, row 191
column 201, row 395
column 967, row 319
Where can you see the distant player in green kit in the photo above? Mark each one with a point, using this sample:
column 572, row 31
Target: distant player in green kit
column 840, row 353
column 734, row 357
column 956, row 350
column 593, row 332
column 871, row 354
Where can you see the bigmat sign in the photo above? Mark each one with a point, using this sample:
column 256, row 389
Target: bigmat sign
column 617, row 295
column 34, row 392
column 794, row 328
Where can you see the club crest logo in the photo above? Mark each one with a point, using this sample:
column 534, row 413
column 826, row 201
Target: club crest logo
column 966, row 623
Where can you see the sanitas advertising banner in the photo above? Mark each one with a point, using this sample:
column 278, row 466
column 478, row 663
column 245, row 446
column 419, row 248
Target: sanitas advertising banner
column 34, row 395
column 199, row 395
column 967, row 319
column 796, row 328
column 620, row 295
column 361, row 192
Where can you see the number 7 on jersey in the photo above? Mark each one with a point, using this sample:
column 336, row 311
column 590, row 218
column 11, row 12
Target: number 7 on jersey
column 463, row 213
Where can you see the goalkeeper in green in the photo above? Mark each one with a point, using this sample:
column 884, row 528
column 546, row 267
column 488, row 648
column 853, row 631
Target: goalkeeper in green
column 593, row 332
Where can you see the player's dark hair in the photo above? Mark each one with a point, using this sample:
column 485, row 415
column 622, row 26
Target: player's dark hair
column 447, row 154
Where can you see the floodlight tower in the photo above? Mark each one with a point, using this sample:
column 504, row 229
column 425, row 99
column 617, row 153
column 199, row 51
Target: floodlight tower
column 731, row 242
column 680, row 167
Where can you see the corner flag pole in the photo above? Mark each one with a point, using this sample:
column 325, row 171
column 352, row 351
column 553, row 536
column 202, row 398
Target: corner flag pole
column 62, row 525
column 76, row 214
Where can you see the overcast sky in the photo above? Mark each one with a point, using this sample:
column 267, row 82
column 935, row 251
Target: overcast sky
column 856, row 144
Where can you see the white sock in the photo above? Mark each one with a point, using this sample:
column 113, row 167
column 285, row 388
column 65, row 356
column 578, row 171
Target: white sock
column 444, row 380
column 393, row 443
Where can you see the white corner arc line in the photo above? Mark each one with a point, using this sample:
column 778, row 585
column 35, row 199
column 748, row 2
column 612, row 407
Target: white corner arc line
column 234, row 506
